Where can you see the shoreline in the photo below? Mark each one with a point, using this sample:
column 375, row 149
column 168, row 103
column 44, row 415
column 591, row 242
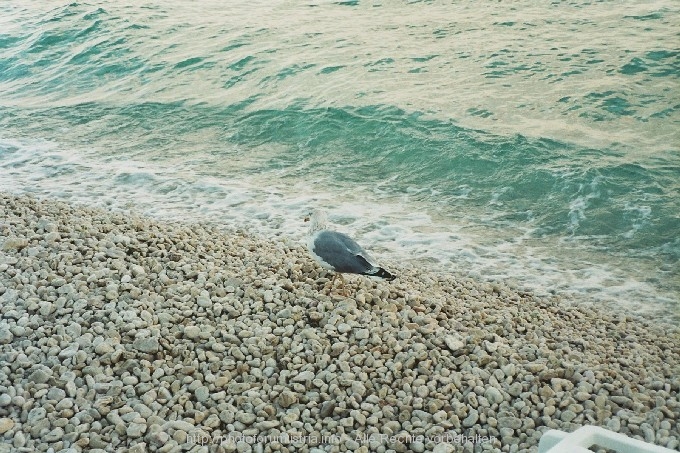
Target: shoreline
column 153, row 331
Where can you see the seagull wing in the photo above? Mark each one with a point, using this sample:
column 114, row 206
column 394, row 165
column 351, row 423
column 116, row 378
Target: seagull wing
column 341, row 253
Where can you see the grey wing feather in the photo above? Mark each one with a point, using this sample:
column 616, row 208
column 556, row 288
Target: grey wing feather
column 342, row 252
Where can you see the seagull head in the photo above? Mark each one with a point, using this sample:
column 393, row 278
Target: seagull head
column 317, row 219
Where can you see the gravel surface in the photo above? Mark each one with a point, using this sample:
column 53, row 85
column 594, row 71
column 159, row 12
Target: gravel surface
column 120, row 332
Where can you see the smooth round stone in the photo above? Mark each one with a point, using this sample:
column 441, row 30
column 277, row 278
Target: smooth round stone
column 614, row 424
column 66, row 403
column 103, row 348
column 192, row 332
column 362, row 334
column 19, row 440
column 5, row 400
column 143, row 410
column 359, row 388
column 135, row 430
column 70, row 388
column 40, row 376
column 493, row 395
column 267, row 424
column 218, row 347
column 6, row 336
column 515, row 389
column 18, row 331
column 130, row 380
column 158, row 438
column 422, row 391
column 327, row 408
column 204, row 301
column 202, row 394
column 439, row 416
column 444, row 448
column 147, row 345
column 509, row 422
column 6, row 424
column 471, row 419
column 567, row 416
column 56, row 394
column 14, row 243
column 304, row 376
column 287, row 398
column 245, row 418
column 165, row 319
column 36, row 414
column 137, row 270
column 359, row 417
column 54, row 435
column 582, row 396
column 453, row 343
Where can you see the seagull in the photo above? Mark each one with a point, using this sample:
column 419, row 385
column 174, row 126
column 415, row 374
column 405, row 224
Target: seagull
column 338, row 252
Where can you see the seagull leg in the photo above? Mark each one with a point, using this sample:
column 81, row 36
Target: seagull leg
column 335, row 275
column 342, row 285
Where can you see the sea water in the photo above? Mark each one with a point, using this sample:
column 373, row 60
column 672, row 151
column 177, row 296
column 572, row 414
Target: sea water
column 535, row 143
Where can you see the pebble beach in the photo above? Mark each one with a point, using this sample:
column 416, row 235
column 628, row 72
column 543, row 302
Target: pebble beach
column 124, row 333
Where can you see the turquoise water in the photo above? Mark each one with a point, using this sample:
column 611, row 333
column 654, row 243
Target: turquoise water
column 531, row 143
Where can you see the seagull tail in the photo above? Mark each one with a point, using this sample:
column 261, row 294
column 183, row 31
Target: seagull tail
column 382, row 273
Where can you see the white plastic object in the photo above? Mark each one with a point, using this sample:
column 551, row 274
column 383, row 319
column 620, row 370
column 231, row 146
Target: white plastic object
column 555, row 441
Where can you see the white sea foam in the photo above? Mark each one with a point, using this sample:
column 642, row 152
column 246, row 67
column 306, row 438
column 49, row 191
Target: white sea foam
column 392, row 228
